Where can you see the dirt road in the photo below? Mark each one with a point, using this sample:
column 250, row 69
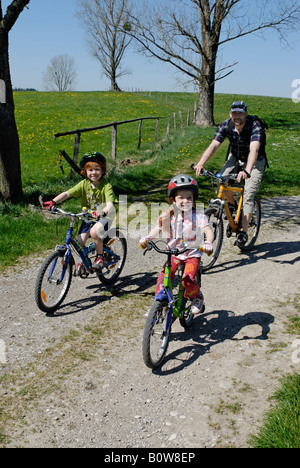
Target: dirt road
column 77, row 379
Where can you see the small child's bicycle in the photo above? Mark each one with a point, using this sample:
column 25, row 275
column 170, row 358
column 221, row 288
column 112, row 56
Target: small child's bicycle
column 219, row 209
column 55, row 276
column 168, row 305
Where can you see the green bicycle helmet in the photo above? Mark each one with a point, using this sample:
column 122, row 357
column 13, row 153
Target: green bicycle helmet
column 92, row 157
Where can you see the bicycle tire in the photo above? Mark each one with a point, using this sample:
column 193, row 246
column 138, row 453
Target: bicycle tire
column 44, row 300
column 118, row 267
column 254, row 228
column 217, row 225
column 187, row 317
column 156, row 342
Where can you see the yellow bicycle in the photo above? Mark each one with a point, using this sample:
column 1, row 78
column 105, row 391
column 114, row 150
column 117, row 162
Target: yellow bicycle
column 219, row 210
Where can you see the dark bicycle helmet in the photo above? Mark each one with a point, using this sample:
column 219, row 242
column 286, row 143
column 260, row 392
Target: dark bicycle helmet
column 183, row 181
column 92, row 157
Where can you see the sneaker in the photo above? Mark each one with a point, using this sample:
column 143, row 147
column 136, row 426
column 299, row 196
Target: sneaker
column 198, row 306
column 98, row 263
column 79, row 269
column 242, row 239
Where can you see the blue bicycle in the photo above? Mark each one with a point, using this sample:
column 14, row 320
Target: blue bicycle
column 55, row 276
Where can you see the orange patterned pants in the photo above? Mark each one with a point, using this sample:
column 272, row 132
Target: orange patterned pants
column 189, row 282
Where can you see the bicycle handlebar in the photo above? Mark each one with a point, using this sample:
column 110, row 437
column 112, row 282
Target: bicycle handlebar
column 218, row 176
column 84, row 215
column 151, row 245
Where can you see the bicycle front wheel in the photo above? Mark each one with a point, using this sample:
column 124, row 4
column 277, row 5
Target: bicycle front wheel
column 53, row 282
column 156, row 335
column 217, row 225
column 115, row 253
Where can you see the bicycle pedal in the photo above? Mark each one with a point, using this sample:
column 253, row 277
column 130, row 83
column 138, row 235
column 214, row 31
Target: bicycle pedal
column 229, row 231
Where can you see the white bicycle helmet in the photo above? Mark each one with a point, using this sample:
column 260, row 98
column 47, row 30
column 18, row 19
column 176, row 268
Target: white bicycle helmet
column 183, row 181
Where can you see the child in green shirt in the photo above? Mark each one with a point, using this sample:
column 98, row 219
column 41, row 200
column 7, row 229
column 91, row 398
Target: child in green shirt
column 97, row 196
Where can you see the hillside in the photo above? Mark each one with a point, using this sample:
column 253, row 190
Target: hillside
column 41, row 115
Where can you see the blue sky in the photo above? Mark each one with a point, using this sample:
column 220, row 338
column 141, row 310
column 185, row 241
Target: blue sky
column 49, row 28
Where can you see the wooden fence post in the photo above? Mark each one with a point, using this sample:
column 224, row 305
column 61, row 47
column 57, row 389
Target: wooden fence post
column 195, row 111
column 114, row 142
column 169, row 125
column 76, row 153
column 180, row 118
column 156, row 130
column 140, row 134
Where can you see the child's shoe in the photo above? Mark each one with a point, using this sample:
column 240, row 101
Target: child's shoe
column 79, row 269
column 198, row 306
column 98, row 263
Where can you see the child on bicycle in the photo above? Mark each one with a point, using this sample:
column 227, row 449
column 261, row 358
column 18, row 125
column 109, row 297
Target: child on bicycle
column 97, row 195
column 185, row 226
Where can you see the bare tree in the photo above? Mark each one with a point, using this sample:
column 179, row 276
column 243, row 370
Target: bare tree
column 10, row 167
column 60, row 74
column 189, row 35
column 104, row 22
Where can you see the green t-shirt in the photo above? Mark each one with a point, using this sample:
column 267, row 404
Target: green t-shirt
column 93, row 199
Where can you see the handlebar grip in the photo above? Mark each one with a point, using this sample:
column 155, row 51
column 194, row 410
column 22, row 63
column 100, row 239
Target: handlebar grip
column 209, row 254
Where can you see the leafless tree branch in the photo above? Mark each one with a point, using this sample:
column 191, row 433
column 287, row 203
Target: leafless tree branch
column 188, row 34
column 105, row 23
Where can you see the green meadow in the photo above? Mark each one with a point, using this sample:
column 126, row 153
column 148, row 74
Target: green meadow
column 41, row 115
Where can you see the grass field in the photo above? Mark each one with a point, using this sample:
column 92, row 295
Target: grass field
column 40, row 115
column 282, row 423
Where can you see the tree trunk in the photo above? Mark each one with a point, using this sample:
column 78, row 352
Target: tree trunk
column 114, row 86
column 10, row 167
column 210, row 38
column 113, row 79
column 205, row 111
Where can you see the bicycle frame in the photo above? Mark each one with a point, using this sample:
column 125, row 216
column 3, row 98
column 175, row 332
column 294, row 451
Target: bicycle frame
column 178, row 307
column 71, row 240
column 222, row 189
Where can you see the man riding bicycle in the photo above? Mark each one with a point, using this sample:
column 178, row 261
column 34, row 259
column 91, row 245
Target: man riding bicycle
column 247, row 157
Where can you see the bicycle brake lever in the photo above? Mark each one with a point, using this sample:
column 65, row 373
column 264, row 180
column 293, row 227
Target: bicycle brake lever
column 53, row 210
column 148, row 248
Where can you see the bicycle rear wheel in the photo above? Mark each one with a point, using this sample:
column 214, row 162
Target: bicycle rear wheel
column 254, row 227
column 156, row 334
column 50, row 289
column 217, row 225
column 114, row 258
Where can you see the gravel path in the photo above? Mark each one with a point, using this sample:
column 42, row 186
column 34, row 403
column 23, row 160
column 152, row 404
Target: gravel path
column 77, row 379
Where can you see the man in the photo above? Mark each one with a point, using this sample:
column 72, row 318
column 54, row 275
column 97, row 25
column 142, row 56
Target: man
column 247, row 157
